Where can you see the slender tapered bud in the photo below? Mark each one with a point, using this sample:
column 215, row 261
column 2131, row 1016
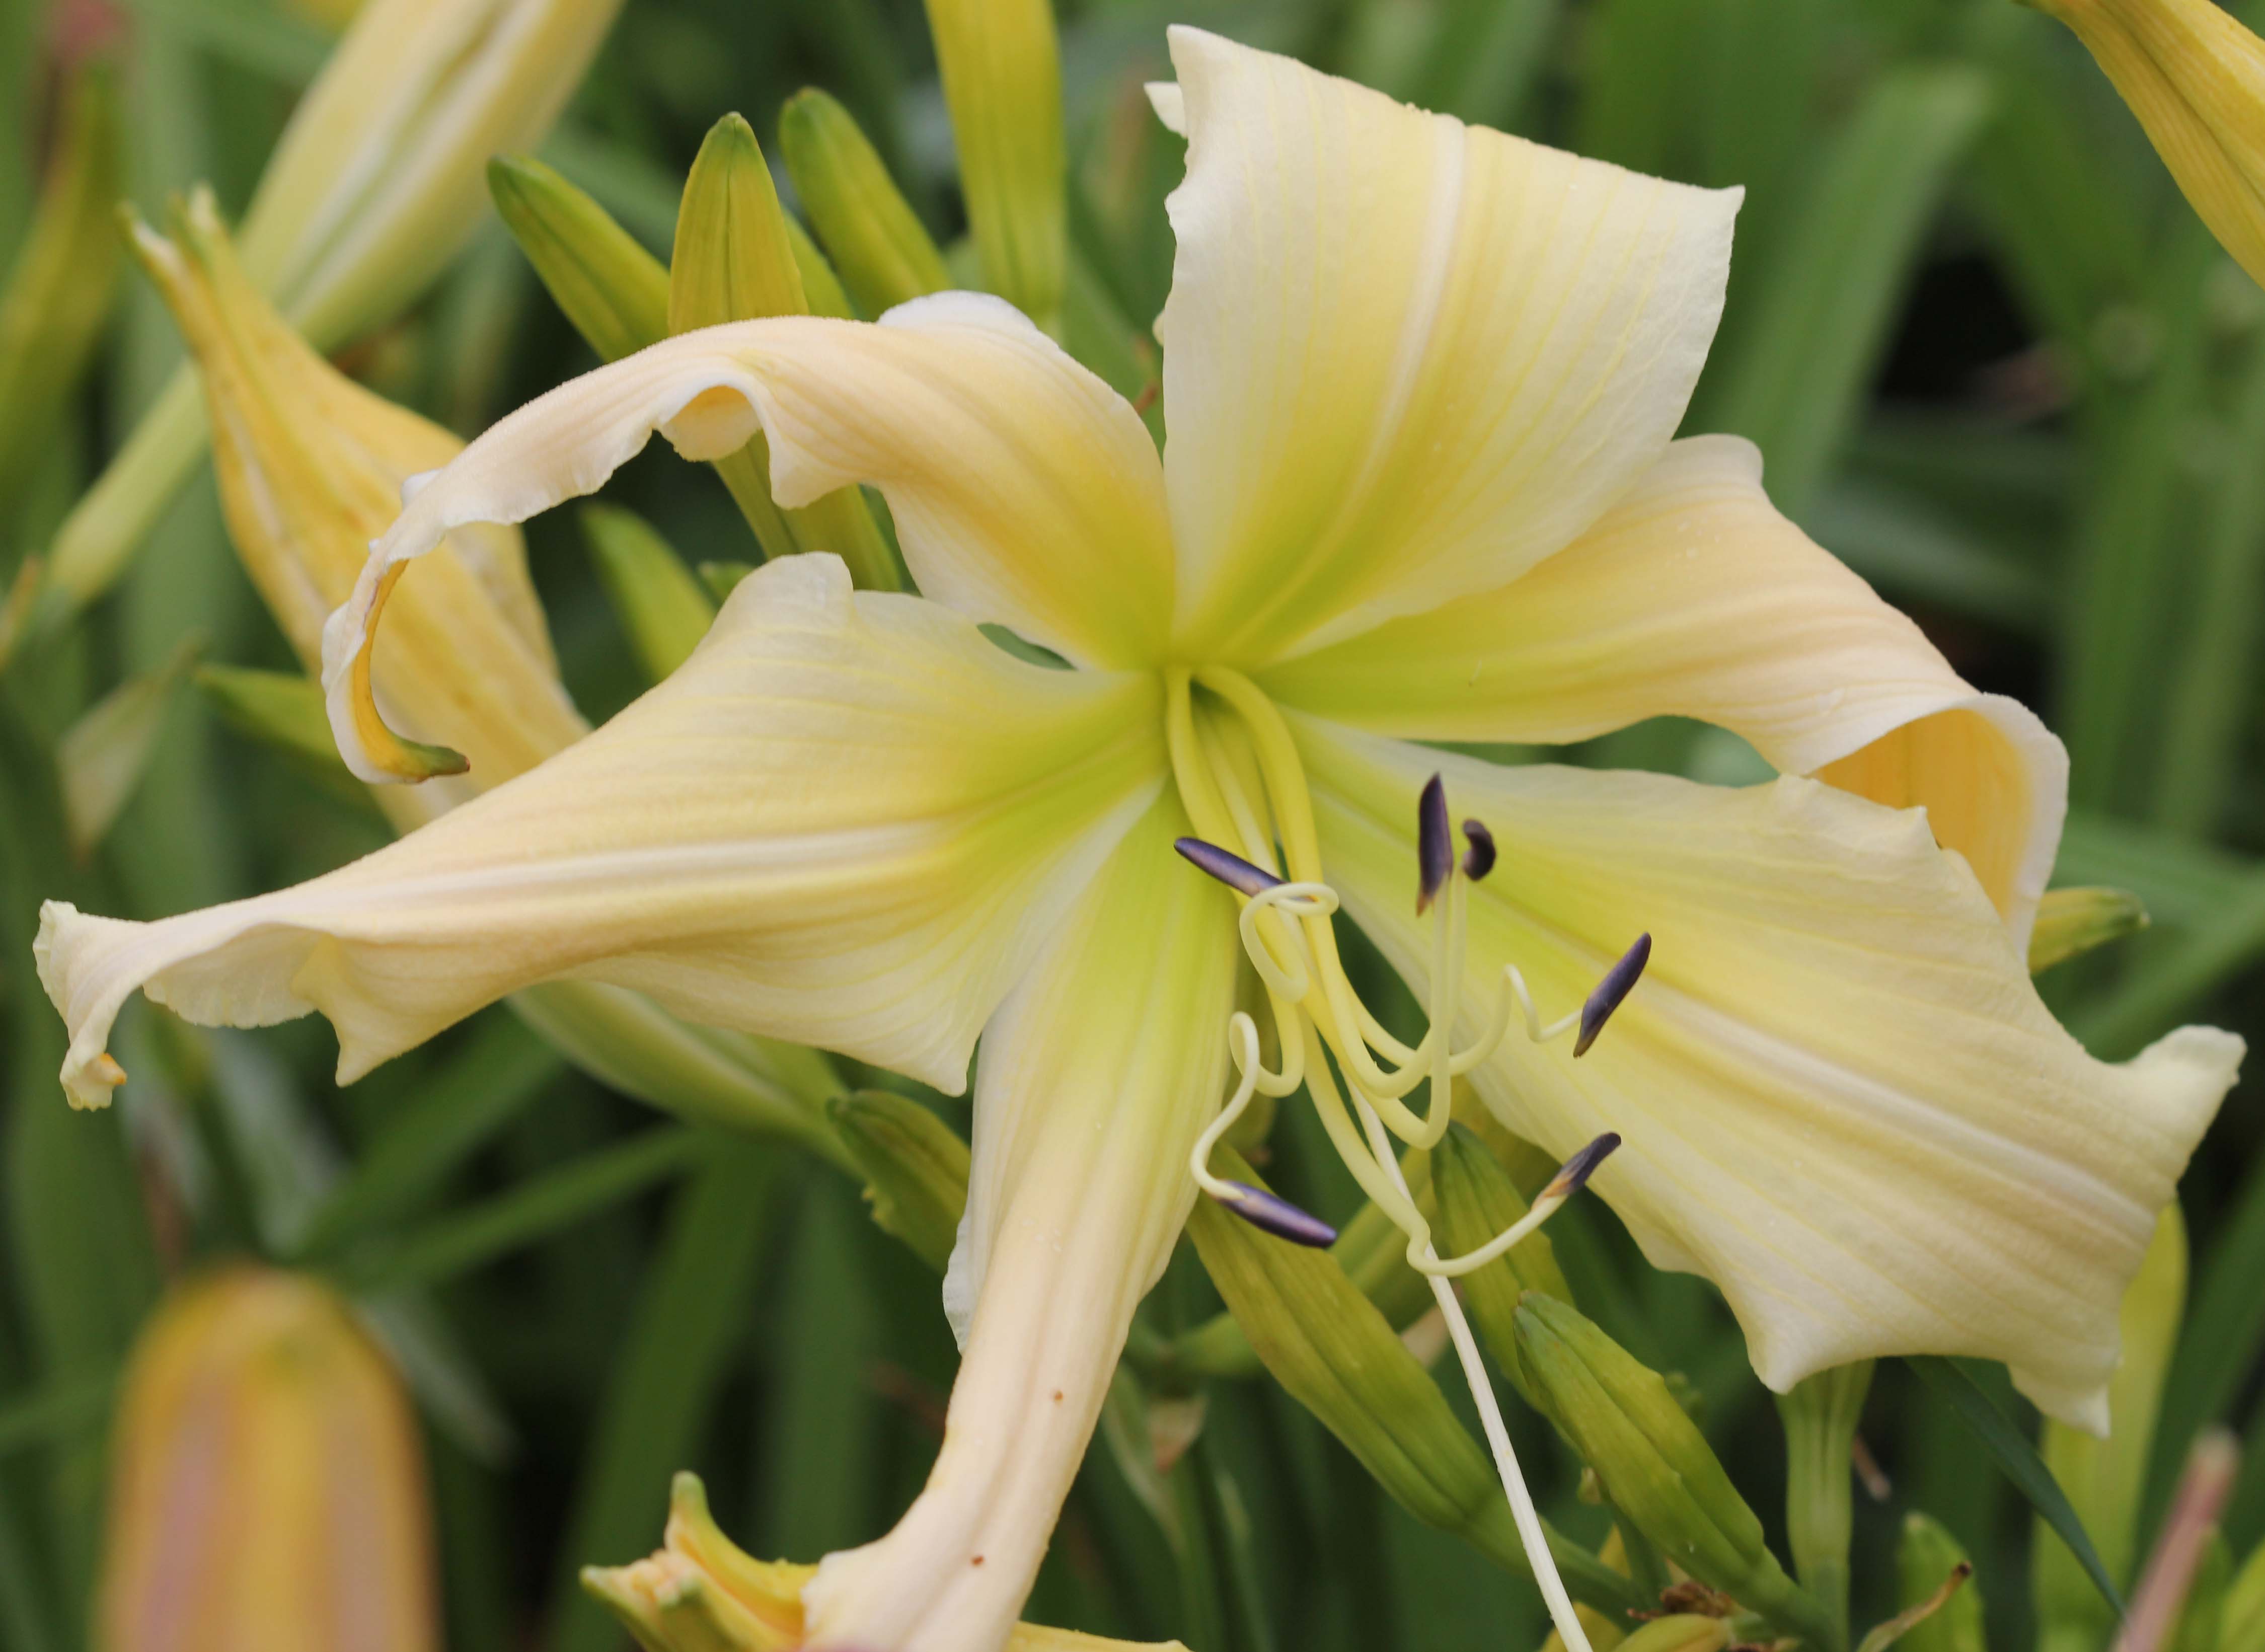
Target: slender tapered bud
column 1435, row 845
column 2195, row 79
column 616, row 294
column 2105, row 1479
column 2072, row 921
column 1478, row 858
column 701, row 1593
column 663, row 608
column 1231, row 870
column 1926, row 1558
column 1325, row 1343
column 735, row 260
column 372, row 190
column 1819, row 1416
column 1002, row 67
column 101, row 757
column 867, row 227
column 59, row 289
column 915, row 1166
column 1655, row 1465
column 1679, row 1631
column 267, row 1486
column 1271, row 1214
column 1478, row 1200
column 821, row 288
column 1618, row 982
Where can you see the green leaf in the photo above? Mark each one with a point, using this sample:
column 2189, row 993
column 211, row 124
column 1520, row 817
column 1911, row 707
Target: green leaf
column 2018, row 1458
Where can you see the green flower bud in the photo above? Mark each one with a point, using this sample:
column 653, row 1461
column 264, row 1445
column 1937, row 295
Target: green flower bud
column 867, row 227
column 52, row 309
column 2073, row 921
column 1820, row 1417
column 915, row 1169
column 615, row 292
column 1325, row 1343
column 2104, row 1478
column 821, row 288
column 664, row 610
column 1657, row 1468
column 1679, row 1631
column 1925, row 1559
column 1001, row 69
column 1477, row 1200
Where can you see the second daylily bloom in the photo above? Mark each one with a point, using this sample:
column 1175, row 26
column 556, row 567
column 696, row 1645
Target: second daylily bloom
column 1422, row 382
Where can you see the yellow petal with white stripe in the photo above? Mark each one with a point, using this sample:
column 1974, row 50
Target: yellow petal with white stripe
column 1094, row 1080
column 1693, row 597
column 1840, row 1097
column 847, row 820
column 1404, row 358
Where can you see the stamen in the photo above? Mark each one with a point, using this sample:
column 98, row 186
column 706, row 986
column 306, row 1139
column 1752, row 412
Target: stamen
column 1279, row 1217
column 1478, row 860
column 1574, row 1174
column 1231, row 870
column 1435, row 849
column 1618, row 982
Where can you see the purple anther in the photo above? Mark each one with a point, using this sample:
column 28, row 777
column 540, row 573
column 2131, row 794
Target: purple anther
column 1435, row 846
column 1618, row 982
column 1478, row 860
column 1231, row 870
column 1574, row 1174
column 1279, row 1217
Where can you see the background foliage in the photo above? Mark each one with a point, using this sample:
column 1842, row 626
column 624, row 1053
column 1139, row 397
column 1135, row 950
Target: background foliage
column 1993, row 362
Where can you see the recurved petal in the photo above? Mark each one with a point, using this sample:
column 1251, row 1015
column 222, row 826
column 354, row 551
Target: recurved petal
column 1094, row 1080
column 1025, row 489
column 1840, row 1098
column 1405, row 359
column 847, row 820
column 1693, row 597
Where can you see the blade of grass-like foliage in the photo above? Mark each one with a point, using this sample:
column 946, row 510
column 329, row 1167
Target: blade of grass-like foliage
column 2184, row 884
column 689, row 1319
column 1912, row 549
column 2214, row 670
column 453, row 1244
column 455, row 1114
column 24, row 1616
column 1635, row 87
column 54, row 1411
column 2014, row 1453
column 1796, row 369
column 2219, row 1344
column 1485, row 57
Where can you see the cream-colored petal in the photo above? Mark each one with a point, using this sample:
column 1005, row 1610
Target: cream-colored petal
column 1094, row 1080
column 1404, row 358
column 1841, row 1098
column 847, row 820
column 1693, row 597
column 1025, row 489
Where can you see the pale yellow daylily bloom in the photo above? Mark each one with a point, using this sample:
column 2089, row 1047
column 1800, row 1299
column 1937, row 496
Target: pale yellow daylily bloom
column 1422, row 382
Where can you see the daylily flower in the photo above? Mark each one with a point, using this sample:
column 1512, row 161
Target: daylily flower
column 1422, row 381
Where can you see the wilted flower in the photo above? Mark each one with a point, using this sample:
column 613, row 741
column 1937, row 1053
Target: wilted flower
column 375, row 185
column 267, row 1484
column 1422, row 388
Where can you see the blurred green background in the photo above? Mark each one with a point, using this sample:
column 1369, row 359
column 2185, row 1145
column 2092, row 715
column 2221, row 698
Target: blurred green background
column 1993, row 362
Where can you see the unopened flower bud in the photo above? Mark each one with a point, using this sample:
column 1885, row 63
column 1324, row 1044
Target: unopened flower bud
column 267, row 1485
column 2073, row 921
column 1679, row 1631
column 311, row 469
column 1655, row 1465
column 868, row 228
column 1001, row 69
column 59, row 290
column 1926, row 1557
column 614, row 292
column 1478, row 1200
column 915, row 1166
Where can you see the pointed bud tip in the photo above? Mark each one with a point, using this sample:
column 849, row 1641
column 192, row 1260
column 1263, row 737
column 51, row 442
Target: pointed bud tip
column 1435, row 848
column 1231, row 870
column 1478, row 859
column 1279, row 1217
column 1618, row 982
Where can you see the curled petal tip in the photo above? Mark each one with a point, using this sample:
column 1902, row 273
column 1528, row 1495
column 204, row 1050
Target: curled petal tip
column 1279, row 1217
column 1478, row 859
column 1231, row 870
column 1435, row 848
column 1574, row 1174
column 1618, row 982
